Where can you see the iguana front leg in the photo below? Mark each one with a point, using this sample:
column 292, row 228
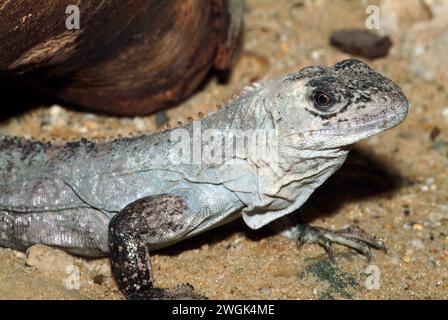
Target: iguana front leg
column 148, row 220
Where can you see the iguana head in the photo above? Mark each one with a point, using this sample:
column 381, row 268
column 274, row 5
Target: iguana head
column 337, row 106
column 317, row 112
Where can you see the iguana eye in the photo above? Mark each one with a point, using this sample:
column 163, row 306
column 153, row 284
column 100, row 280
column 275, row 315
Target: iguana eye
column 322, row 100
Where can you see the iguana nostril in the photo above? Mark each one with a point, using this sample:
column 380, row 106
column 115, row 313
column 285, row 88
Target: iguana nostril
column 384, row 99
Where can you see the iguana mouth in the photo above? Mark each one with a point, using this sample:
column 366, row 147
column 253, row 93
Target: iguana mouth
column 381, row 123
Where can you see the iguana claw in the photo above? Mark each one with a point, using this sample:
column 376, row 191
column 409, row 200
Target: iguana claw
column 353, row 237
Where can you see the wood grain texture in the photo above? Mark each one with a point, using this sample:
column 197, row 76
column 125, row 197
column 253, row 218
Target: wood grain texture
column 129, row 57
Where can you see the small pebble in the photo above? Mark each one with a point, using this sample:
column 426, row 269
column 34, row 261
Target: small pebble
column 83, row 130
column 57, row 117
column 91, row 124
column 265, row 291
column 406, row 210
column 55, row 110
column 432, row 262
column 361, row 42
column 105, row 270
column 417, row 226
column 412, row 225
column 408, row 225
column 19, row 254
column 389, row 226
column 139, row 123
column 435, row 132
column 439, row 145
column 317, row 55
column 417, row 244
column 98, row 279
column 445, row 114
column 161, row 118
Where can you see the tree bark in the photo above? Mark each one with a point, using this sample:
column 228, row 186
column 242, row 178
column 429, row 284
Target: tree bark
column 128, row 57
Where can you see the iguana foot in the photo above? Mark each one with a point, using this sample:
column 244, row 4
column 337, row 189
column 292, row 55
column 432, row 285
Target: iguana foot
column 353, row 237
column 182, row 292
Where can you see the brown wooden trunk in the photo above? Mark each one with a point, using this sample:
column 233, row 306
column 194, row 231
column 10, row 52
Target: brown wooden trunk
column 129, row 57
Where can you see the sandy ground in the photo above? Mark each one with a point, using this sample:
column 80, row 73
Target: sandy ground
column 394, row 185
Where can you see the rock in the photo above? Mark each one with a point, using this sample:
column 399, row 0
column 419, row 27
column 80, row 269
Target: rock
column 105, row 270
column 362, row 43
column 440, row 145
column 406, row 210
column 426, row 45
column 417, row 227
column 161, row 119
column 437, row 8
column 265, row 291
column 445, row 114
column 422, row 25
column 69, row 271
column 435, row 132
column 98, row 267
column 19, row 254
column 398, row 16
column 49, row 260
column 417, row 244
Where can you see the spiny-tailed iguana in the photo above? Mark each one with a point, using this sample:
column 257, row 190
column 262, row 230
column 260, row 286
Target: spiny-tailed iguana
column 129, row 196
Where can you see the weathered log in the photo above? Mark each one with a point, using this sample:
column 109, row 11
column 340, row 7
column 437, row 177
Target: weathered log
column 128, row 57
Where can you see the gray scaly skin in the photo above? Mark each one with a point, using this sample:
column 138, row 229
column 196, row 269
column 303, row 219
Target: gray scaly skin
column 124, row 198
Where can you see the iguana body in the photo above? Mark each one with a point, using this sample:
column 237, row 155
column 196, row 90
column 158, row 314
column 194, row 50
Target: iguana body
column 127, row 197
